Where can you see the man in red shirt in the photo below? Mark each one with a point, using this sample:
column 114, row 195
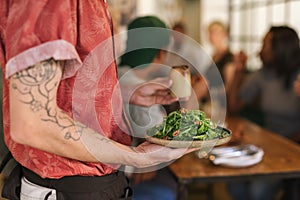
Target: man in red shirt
column 62, row 108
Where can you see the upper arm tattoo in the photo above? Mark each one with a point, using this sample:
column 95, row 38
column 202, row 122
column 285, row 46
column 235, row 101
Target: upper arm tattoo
column 37, row 86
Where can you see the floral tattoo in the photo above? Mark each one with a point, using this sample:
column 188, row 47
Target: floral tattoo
column 38, row 86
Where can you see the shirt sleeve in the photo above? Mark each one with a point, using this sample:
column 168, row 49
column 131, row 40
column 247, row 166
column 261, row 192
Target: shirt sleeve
column 40, row 30
column 3, row 20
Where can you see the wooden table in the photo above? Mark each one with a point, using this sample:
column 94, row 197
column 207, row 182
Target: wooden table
column 281, row 158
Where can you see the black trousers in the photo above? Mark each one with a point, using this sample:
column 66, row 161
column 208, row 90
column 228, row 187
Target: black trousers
column 114, row 186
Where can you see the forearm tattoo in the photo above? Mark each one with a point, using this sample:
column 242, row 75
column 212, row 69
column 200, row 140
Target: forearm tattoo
column 38, row 87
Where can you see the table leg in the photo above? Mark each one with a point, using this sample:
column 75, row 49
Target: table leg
column 182, row 192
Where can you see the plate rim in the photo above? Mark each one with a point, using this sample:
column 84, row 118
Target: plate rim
column 192, row 143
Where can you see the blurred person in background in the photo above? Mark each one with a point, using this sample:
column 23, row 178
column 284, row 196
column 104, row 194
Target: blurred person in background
column 137, row 67
column 222, row 62
column 273, row 84
column 221, row 71
column 144, row 64
column 222, row 56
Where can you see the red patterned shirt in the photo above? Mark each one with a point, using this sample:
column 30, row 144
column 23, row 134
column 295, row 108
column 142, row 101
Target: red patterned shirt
column 79, row 32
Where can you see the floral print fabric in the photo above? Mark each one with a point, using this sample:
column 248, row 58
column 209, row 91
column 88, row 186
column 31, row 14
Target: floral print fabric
column 70, row 30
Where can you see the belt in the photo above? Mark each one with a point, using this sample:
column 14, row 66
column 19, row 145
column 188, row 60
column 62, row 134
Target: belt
column 75, row 183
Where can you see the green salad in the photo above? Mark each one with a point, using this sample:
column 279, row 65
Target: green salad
column 187, row 125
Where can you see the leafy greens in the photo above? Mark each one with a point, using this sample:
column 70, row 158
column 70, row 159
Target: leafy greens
column 187, row 125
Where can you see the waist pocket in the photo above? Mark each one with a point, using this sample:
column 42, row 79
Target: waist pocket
column 31, row 191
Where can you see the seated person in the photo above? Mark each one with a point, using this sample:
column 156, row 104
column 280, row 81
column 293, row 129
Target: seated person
column 139, row 66
column 273, row 83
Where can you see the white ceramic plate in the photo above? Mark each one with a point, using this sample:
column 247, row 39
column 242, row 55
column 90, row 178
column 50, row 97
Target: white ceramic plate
column 238, row 156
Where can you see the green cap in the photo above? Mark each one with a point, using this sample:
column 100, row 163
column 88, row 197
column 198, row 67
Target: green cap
column 140, row 37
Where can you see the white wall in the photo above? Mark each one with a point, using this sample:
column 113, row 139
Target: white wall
column 169, row 11
column 145, row 7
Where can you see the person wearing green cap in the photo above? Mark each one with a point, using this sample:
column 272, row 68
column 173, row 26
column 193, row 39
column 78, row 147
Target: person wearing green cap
column 140, row 64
